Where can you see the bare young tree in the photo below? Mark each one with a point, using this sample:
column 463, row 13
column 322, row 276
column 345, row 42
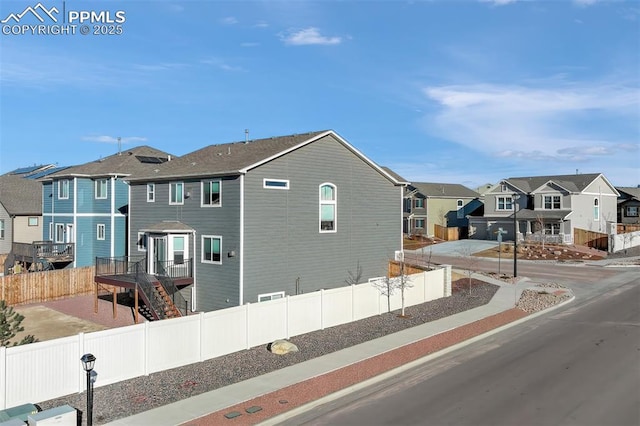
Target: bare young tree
column 540, row 228
column 354, row 278
column 470, row 262
column 388, row 285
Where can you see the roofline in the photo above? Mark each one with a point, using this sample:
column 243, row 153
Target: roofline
column 183, row 176
column 512, row 184
column 555, row 183
column 320, row 136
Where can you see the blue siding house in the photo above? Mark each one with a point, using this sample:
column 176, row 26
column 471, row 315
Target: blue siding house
column 262, row 219
column 87, row 205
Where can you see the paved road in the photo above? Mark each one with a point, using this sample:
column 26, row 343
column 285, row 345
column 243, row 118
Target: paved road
column 574, row 366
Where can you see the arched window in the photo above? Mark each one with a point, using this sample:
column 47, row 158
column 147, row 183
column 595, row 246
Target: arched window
column 596, row 209
column 460, row 209
column 328, row 207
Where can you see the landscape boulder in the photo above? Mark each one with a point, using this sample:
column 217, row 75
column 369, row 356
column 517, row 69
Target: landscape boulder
column 281, row 347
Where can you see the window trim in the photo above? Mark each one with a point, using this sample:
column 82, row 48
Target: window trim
column 553, row 226
column 100, row 226
column 29, row 221
column 66, row 186
column 504, row 198
column 270, row 295
column 209, row 182
column 202, row 251
column 551, row 202
column 421, row 200
column 596, row 209
column 415, row 223
column 144, row 239
column 265, row 184
column 333, row 203
column 97, row 184
column 628, row 209
column 51, row 227
column 58, row 227
column 2, row 229
column 151, row 193
column 171, row 186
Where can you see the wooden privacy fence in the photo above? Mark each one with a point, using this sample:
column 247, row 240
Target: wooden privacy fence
column 444, row 233
column 35, row 287
column 596, row 240
column 625, row 228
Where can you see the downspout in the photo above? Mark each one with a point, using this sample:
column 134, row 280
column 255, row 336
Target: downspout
column 75, row 219
column 241, row 266
column 193, row 272
column 113, row 217
column 402, row 218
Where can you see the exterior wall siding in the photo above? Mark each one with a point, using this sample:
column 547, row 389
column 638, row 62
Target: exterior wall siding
column 284, row 250
column 5, row 242
column 63, row 205
column 215, row 283
column 23, row 233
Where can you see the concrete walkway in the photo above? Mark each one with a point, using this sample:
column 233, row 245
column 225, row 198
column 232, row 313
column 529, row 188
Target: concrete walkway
column 220, row 399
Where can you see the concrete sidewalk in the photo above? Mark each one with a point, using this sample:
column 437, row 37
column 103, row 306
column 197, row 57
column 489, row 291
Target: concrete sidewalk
column 220, row 399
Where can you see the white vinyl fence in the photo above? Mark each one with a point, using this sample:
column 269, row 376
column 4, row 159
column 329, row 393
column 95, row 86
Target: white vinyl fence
column 45, row 370
column 619, row 242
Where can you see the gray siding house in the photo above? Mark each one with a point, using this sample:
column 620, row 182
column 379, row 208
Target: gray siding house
column 267, row 218
column 550, row 206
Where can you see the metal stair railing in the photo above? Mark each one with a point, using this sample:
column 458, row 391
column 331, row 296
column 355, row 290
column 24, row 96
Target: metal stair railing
column 171, row 289
column 153, row 300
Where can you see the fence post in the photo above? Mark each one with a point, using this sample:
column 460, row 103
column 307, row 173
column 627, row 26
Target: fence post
column 81, row 351
column 321, row 309
column 201, row 336
column 3, row 377
column 447, row 280
column 248, row 325
column 353, row 303
column 286, row 315
column 146, row 348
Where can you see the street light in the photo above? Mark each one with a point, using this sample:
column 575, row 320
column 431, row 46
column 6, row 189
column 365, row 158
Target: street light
column 515, row 236
column 87, row 363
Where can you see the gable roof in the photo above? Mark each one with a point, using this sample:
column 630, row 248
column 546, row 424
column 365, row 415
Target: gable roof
column 395, row 175
column 632, row 192
column 444, row 190
column 20, row 196
column 129, row 161
column 239, row 157
column 572, row 183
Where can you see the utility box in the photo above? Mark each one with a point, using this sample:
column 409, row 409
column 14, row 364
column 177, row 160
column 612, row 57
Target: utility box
column 64, row 415
column 18, row 412
column 13, row 422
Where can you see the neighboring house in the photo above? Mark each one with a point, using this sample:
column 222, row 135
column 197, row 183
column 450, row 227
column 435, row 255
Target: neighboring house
column 262, row 219
column 445, row 204
column 628, row 205
column 20, row 211
column 553, row 206
column 85, row 206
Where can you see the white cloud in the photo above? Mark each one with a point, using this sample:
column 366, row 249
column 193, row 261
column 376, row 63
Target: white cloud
column 498, row 2
column 113, row 139
column 585, row 2
column 249, row 44
column 229, row 20
column 222, row 64
column 308, row 36
column 533, row 123
column 261, row 24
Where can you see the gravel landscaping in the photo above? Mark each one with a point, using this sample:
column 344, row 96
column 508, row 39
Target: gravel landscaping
column 144, row 393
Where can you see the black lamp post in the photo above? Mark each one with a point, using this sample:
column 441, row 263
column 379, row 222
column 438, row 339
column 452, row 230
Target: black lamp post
column 515, row 236
column 87, row 363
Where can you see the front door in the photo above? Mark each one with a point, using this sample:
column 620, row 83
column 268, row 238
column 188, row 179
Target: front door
column 159, row 250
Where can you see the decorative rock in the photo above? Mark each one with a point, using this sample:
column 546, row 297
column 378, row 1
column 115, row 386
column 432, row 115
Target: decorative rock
column 281, row 347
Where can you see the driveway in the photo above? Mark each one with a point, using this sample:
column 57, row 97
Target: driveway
column 456, row 248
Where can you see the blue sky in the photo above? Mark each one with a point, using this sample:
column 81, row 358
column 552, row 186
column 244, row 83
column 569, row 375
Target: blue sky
column 459, row 91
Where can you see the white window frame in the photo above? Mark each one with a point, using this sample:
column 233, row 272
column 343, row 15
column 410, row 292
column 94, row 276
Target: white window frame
column 63, row 189
column 550, row 228
column 202, row 251
column 460, row 209
column 151, row 193
column 419, row 201
column 551, row 202
column 506, row 200
column 333, row 203
column 275, row 184
column 60, row 230
column 142, row 241
column 98, row 189
column 596, row 209
column 51, row 238
column 270, row 296
column 171, row 190
column 32, row 221
column 101, row 231
column 1, row 229
column 202, row 193
column 503, row 188
column 417, row 223
column 627, row 212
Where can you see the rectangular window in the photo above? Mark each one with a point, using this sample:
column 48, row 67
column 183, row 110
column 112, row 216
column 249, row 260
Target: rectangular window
column 419, row 223
column 270, row 296
column 211, row 249
column 178, row 250
column 211, row 193
column 59, row 233
column 596, row 209
column 460, row 209
column 551, row 202
column 504, row 203
column 101, row 189
column 503, row 188
column 63, row 189
column 176, row 193
column 419, row 203
column 632, row 211
column 33, row 221
column 100, row 231
column 142, row 241
column 51, row 231
column 151, row 192
column 551, row 228
column 275, row 183
column 1, row 229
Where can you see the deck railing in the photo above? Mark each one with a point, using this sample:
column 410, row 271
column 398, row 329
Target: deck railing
column 120, row 265
column 44, row 250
